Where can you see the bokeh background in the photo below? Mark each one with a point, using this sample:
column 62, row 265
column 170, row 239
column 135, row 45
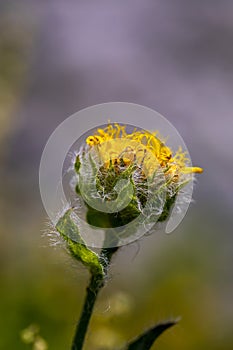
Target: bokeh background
column 57, row 57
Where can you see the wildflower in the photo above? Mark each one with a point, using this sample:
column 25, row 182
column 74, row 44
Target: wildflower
column 145, row 164
column 127, row 181
column 151, row 141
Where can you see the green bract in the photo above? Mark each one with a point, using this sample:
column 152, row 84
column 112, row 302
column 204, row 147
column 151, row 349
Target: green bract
column 69, row 231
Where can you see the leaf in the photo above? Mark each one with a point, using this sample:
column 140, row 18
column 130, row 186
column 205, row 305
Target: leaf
column 147, row 339
column 76, row 245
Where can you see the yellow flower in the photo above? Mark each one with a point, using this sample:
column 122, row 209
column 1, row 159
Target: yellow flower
column 140, row 146
column 126, row 170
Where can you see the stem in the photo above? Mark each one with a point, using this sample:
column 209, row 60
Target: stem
column 92, row 291
column 96, row 283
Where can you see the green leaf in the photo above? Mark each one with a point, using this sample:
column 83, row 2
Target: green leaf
column 76, row 245
column 147, row 339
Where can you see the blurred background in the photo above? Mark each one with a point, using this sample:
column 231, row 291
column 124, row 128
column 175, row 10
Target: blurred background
column 57, row 57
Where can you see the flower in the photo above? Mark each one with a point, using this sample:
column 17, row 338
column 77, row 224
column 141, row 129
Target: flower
column 145, row 164
column 173, row 165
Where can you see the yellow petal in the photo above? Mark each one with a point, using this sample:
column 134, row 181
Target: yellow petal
column 189, row 170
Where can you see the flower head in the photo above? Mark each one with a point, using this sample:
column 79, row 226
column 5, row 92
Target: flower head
column 144, row 166
column 174, row 165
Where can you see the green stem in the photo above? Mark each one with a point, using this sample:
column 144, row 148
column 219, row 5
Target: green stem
column 95, row 285
column 92, row 292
